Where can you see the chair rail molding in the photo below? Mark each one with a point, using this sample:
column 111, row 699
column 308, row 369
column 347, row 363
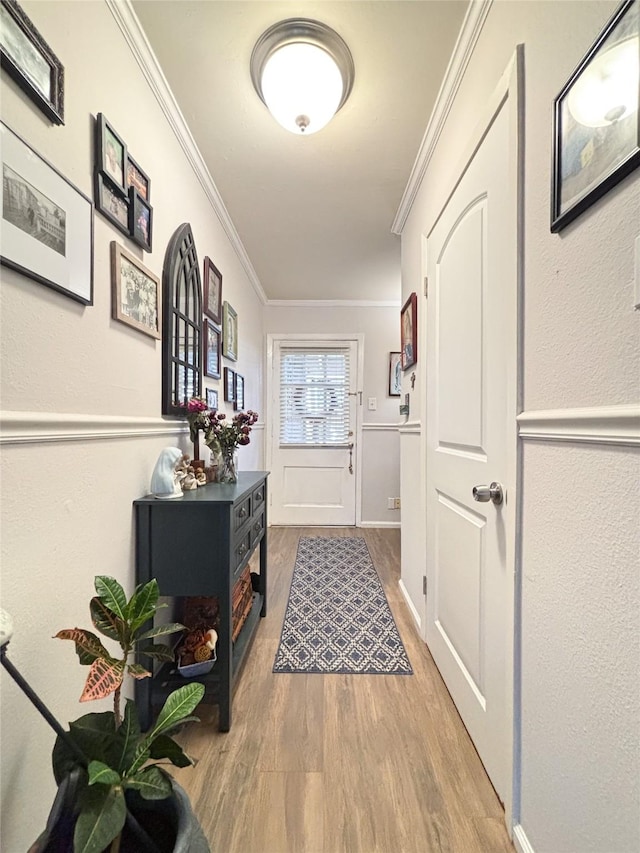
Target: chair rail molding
column 127, row 20
column 391, row 426
column 47, row 427
column 595, row 425
column 410, row 428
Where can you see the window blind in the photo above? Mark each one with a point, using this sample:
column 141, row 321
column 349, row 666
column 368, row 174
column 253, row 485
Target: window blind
column 314, row 396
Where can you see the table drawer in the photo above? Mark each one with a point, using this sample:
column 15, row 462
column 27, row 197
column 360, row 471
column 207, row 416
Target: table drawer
column 241, row 550
column 258, row 498
column 241, row 513
column 257, row 528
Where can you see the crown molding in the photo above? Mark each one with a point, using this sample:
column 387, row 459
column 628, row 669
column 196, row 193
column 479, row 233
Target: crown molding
column 129, row 24
column 462, row 52
column 596, row 425
column 332, row 303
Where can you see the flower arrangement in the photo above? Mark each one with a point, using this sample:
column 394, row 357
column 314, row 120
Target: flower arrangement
column 223, row 437
column 199, row 418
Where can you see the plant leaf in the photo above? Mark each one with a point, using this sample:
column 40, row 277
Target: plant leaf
column 143, row 604
column 178, row 706
column 141, row 757
column 158, row 651
column 88, row 646
column 102, row 816
column 95, row 736
column 166, row 747
column 113, row 595
column 152, row 783
column 128, row 736
column 103, row 774
column 104, row 677
column 137, row 671
column 169, row 628
column 106, row 621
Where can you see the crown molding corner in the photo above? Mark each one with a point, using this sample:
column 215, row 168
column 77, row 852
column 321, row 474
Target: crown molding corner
column 129, row 23
column 462, row 52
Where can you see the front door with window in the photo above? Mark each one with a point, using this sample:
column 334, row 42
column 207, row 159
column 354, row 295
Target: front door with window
column 313, row 432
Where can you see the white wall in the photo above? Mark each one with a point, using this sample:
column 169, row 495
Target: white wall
column 380, row 443
column 66, row 504
column 580, row 546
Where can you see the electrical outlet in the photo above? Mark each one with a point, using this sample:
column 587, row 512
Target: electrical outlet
column 391, row 503
column 396, row 503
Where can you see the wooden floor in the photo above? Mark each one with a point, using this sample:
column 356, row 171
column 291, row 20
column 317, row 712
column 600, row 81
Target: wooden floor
column 340, row 763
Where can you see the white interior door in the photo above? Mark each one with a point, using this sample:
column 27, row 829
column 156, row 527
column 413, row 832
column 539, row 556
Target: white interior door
column 471, row 384
column 313, row 432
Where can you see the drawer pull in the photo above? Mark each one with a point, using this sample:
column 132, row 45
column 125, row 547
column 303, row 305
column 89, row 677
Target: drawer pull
column 257, row 527
column 242, row 549
column 242, row 511
column 259, row 496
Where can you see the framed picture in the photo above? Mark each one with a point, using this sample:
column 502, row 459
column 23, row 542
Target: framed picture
column 212, row 398
column 110, row 204
column 111, row 155
column 47, row 223
column 395, row 374
column 29, row 60
column 136, row 293
column 596, row 130
column 140, row 219
column 212, row 291
column 211, row 339
column 138, row 179
column 238, row 402
column 229, row 385
column 409, row 332
column 229, row 332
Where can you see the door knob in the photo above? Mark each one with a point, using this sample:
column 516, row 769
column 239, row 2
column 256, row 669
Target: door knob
column 489, row 493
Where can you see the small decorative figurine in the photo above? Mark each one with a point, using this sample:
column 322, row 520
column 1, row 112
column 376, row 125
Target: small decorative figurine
column 165, row 483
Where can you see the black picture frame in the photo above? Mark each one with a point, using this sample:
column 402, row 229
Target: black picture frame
column 409, row 332
column 212, row 291
column 30, row 62
column 138, row 178
column 229, row 385
column 47, row 227
column 111, row 154
column 211, row 357
column 140, row 220
column 238, row 393
column 212, row 399
column 592, row 152
column 110, row 203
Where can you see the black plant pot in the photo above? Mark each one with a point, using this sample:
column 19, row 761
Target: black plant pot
column 169, row 824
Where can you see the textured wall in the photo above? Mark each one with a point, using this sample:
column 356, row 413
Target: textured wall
column 581, row 339
column 66, row 506
column 380, row 449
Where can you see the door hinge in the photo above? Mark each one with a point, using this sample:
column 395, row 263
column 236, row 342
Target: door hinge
column 426, row 287
column 424, row 584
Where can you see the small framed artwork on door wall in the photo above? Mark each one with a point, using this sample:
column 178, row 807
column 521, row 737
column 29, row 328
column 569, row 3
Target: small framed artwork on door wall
column 409, row 332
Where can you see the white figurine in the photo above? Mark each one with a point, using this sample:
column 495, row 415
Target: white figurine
column 164, row 480
column 189, row 481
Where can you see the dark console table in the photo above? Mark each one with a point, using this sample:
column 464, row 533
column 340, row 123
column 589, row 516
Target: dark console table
column 198, row 545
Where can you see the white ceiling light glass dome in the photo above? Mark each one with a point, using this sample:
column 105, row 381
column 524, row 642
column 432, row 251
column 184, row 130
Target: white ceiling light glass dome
column 303, row 72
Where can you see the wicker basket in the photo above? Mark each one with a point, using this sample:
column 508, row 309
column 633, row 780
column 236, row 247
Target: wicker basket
column 242, row 601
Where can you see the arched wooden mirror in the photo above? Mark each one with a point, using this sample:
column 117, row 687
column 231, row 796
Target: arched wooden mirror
column 182, row 323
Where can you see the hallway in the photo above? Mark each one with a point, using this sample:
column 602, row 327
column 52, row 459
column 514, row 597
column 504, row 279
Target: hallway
column 340, row 764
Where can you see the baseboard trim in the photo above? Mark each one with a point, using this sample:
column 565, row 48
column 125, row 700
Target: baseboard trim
column 379, row 524
column 520, row 840
column 47, row 427
column 596, row 425
column 411, row 606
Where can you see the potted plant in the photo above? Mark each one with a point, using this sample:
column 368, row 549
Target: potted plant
column 114, row 793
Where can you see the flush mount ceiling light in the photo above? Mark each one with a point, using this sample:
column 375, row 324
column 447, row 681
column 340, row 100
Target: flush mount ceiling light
column 303, row 71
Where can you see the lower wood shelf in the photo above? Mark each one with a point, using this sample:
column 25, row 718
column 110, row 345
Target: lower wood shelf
column 168, row 679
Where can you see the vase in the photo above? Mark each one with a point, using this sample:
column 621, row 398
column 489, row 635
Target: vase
column 226, row 466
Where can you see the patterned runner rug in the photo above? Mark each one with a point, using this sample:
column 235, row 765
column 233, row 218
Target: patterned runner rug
column 338, row 618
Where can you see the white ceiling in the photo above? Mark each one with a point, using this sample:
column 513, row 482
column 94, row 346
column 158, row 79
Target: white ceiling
column 314, row 213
